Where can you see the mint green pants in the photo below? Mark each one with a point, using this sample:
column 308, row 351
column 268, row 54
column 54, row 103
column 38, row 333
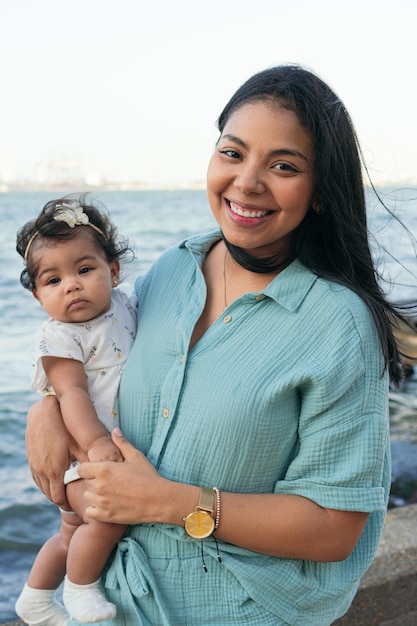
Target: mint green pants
column 167, row 585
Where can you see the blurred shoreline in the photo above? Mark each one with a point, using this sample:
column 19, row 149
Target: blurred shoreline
column 75, row 185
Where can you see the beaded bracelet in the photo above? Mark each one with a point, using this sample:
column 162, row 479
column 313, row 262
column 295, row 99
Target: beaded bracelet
column 217, row 520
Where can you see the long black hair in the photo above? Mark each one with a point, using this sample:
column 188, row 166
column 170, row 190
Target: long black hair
column 333, row 241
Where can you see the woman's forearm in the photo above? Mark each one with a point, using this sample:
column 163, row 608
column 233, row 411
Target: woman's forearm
column 279, row 525
column 50, row 449
column 289, row 526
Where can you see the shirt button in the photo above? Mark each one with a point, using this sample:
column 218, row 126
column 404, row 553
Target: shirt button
column 165, row 413
column 227, row 319
column 260, row 297
column 182, row 358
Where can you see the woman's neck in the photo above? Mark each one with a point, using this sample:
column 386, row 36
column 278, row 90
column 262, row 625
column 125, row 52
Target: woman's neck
column 258, row 265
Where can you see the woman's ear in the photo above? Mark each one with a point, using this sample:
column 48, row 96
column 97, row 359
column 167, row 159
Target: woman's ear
column 318, row 204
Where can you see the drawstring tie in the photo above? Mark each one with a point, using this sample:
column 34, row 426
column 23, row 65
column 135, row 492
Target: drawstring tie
column 202, row 553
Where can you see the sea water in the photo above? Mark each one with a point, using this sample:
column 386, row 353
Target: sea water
column 153, row 221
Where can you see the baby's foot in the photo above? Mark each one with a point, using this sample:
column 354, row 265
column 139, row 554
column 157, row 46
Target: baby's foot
column 39, row 607
column 87, row 603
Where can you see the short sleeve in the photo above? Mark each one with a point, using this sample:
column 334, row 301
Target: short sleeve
column 344, row 425
column 53, row 339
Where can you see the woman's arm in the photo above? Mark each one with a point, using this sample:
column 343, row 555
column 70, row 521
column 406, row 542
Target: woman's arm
column 50, row 449
column 289, row 526
column 69, row 381
column 276, row 524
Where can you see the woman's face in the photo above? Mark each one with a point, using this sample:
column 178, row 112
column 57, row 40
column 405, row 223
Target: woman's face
column 261, row 178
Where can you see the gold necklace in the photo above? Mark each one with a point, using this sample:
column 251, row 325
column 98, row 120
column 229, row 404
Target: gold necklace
column 224, row 281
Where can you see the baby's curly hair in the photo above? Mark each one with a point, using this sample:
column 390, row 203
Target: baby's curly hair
column 47, row 227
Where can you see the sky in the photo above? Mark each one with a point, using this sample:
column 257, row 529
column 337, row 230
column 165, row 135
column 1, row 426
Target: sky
column 130, row 90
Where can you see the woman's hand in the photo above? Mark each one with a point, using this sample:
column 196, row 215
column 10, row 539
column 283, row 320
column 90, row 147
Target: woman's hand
column 50, row 449
column 126, row 493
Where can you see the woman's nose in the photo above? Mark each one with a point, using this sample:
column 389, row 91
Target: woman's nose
column 249, row 179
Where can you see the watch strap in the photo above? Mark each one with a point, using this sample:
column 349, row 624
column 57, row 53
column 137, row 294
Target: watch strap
column 206, row 502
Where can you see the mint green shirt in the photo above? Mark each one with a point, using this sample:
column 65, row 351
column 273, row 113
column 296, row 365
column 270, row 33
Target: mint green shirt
column 284, row 393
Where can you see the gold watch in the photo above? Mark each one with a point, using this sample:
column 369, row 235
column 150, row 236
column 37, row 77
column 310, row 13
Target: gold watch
column 200, row 523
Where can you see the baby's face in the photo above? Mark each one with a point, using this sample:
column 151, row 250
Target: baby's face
column 74, row 280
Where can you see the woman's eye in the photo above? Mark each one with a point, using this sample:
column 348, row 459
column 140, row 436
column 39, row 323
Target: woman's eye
column 233, row 154
column 285, row 167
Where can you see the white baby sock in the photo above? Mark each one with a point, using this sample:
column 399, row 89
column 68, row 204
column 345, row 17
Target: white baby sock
column 39, row 606
column 87, row 603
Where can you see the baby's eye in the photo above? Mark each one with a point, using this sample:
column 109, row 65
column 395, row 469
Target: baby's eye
column 84, row 270
column 53, row 281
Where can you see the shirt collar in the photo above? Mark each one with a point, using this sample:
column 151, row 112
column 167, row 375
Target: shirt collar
column 291, row 286
column 288, row 289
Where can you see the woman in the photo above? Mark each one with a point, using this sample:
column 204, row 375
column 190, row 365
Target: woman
column 256, row 393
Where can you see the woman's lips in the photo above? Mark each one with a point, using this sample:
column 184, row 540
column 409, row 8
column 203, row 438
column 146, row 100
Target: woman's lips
column 242, row 211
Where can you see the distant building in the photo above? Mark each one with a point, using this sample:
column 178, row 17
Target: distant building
column 60, row 172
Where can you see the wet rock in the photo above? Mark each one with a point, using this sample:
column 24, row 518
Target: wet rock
column 404, row 473
column 404, row 461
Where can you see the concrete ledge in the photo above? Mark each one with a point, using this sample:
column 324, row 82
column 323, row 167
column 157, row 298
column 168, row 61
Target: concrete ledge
column 387, row 595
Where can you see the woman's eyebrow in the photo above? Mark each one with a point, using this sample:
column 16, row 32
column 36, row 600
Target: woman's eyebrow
column 277, row 152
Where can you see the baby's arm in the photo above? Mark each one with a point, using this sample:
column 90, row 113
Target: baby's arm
column 68, row 378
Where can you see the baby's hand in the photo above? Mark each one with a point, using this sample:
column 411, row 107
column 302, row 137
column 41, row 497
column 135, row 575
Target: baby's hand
column 103, row 449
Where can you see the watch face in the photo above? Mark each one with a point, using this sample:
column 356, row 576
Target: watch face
column 199, row 525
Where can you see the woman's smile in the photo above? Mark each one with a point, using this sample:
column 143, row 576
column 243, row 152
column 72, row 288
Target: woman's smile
column 247, row 211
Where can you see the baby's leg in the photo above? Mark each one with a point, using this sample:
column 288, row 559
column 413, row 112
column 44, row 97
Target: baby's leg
column 37, row 603
column 50, row 565
column 90, row 547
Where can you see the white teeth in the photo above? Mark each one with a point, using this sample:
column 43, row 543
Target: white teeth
column 236, row 209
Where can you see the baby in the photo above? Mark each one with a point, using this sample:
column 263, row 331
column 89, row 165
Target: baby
column 72, row 265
